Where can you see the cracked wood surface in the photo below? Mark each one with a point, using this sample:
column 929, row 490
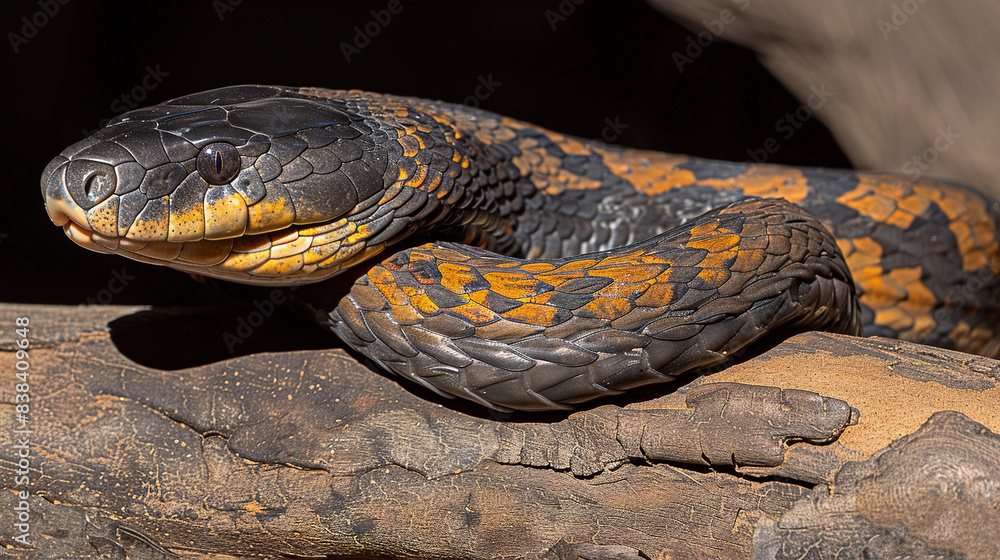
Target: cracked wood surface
column 151, row 440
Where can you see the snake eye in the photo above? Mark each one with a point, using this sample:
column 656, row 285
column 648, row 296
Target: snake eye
column 218, row 163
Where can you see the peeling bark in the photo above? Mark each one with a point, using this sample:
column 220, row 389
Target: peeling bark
column 309, row 453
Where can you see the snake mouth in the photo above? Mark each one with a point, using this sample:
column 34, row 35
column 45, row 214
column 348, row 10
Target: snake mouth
column 88, row 239
column 190, row 256
column 290, row 256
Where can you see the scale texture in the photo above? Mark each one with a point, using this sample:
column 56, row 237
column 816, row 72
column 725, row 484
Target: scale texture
column 522, row 268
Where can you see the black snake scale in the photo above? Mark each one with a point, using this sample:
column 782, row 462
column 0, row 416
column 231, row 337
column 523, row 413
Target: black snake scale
column 289, row 186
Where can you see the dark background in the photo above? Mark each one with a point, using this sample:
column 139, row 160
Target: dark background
column 605, row 60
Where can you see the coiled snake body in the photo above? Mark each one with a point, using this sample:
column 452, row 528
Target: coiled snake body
column 275, row 185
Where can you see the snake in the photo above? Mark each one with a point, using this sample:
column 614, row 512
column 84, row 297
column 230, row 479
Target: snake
column 487, row 258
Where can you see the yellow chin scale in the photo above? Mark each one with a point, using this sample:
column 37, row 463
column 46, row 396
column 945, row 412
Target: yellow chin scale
column 298, row 254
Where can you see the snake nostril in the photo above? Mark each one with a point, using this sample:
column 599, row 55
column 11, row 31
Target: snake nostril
column 98, row 187
column 90, row 182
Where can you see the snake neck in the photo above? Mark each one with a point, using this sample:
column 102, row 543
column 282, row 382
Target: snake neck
column 525, row 191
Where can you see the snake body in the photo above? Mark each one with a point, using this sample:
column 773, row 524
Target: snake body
column 560, row 269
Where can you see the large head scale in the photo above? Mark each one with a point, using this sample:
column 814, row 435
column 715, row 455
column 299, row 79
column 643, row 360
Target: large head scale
column 256, row 184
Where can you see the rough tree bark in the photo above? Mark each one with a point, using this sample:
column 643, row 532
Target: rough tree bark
column 146, row 443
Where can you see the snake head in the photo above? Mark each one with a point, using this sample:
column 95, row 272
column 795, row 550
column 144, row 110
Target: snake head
column 255, row 184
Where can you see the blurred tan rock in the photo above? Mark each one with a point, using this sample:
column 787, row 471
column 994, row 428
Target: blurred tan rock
column 915, row 82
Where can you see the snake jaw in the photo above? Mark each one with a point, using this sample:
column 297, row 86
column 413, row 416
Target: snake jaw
column 89, row 239
column 290, row 256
